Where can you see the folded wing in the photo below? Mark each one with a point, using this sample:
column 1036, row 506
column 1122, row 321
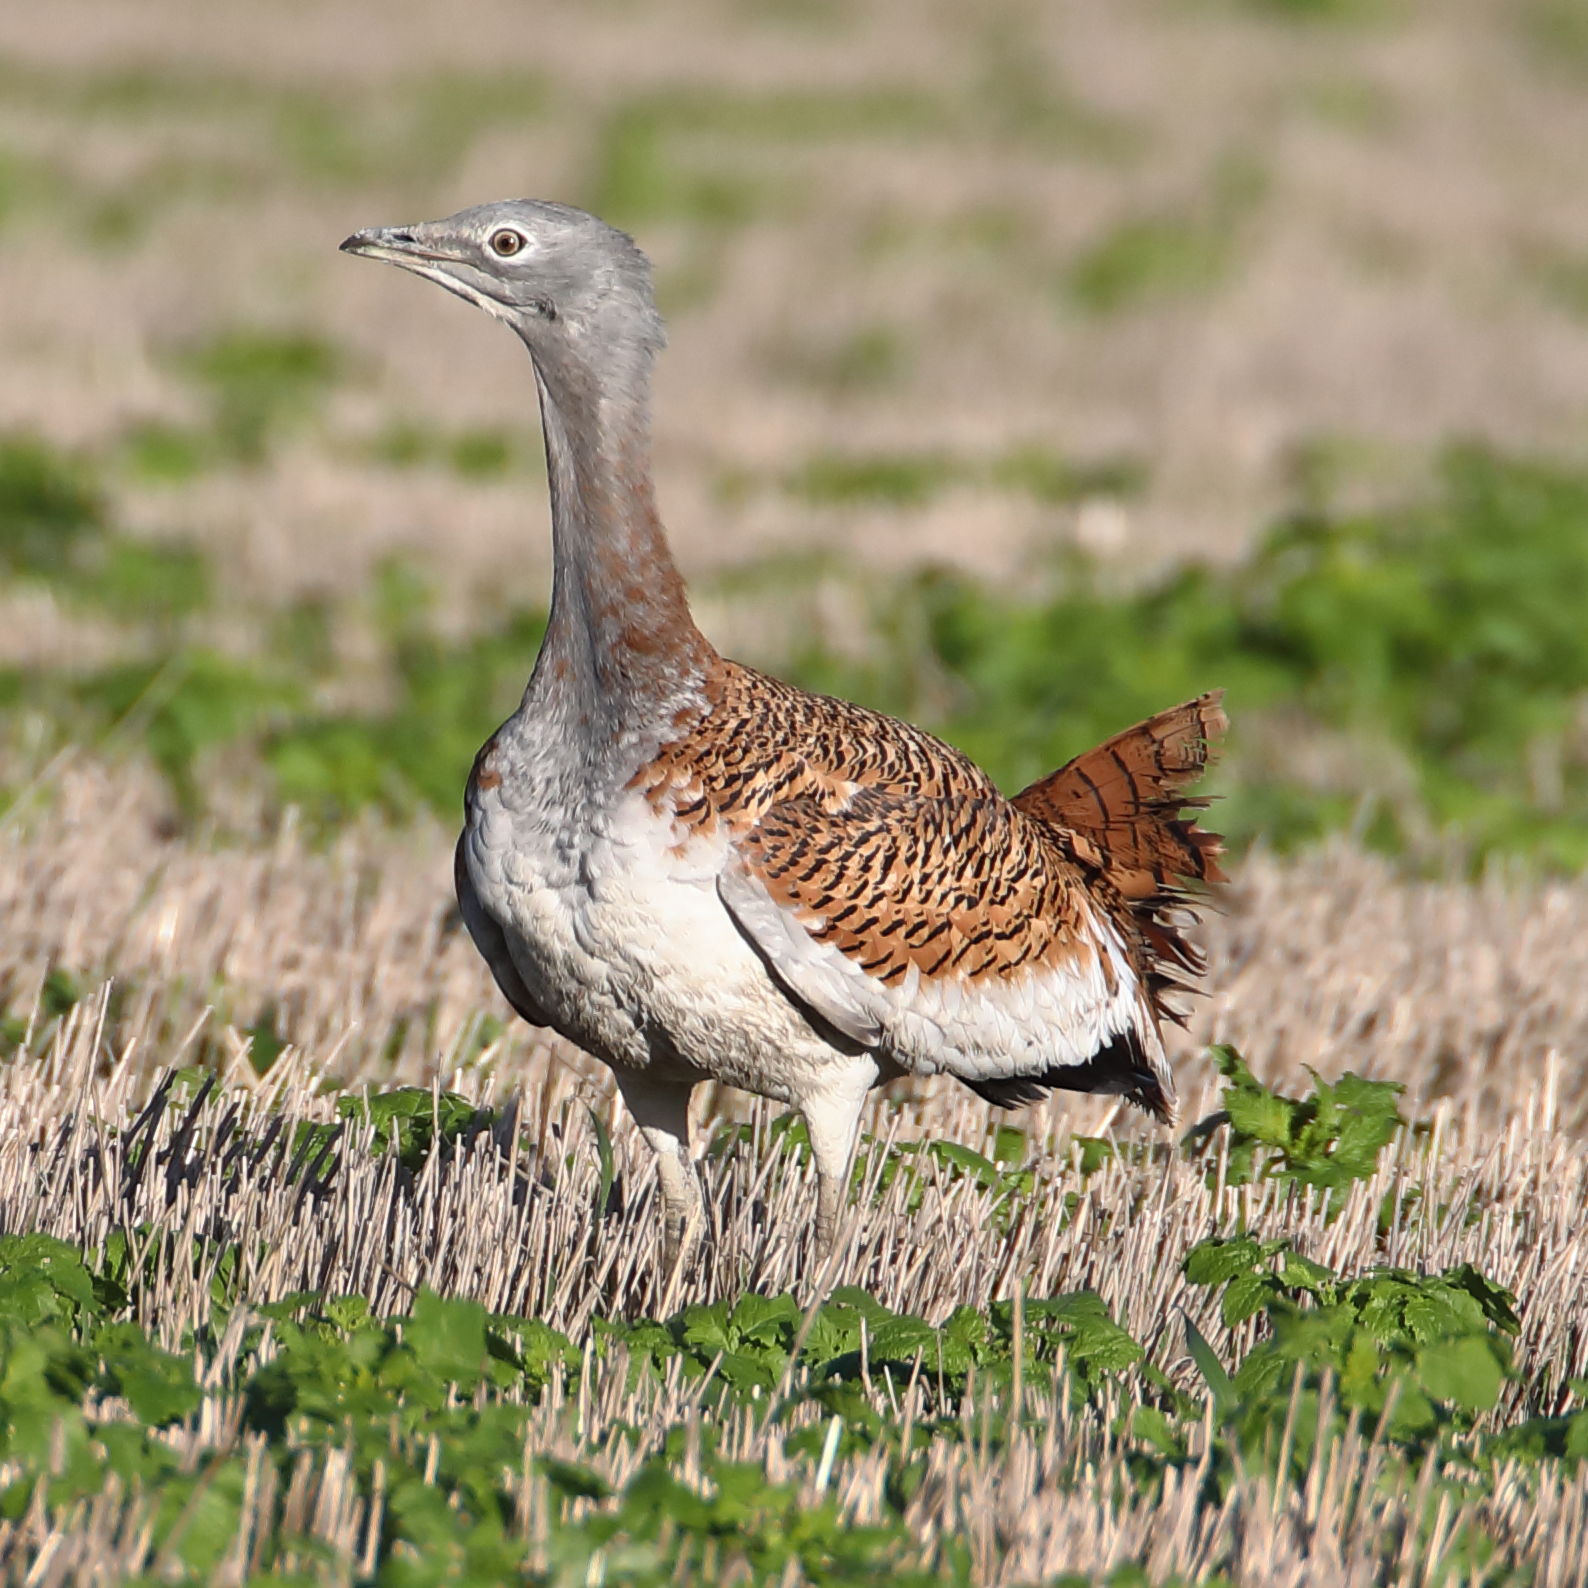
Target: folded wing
column 950, row 934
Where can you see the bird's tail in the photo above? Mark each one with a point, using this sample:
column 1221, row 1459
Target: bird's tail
column 1124, row 806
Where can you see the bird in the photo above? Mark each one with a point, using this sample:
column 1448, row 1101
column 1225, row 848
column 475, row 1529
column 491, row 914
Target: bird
column 695, row 871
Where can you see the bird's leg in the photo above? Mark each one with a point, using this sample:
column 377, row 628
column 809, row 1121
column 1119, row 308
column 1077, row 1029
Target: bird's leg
column 661, row 1110
column 683, row 1212
column 832, row 1120
column 829, row 1204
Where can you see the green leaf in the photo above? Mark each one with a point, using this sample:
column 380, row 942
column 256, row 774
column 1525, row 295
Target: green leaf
column 158, row 1386
column 1301, row 1273
column 1261, row 1115
column 573, row 1479
column 1218, row 1258
column 901, row 1339
column 198, row 1515
column 1009, row 1146
column 1151, row 1425
column 967, row 1327
column 1228, row 1062
column 1466, row 1372
column 265, row 1043
column 38, row 1273
column 1220, row 1385
column 745, row 1372
column 1368, row 1120
column 1091, row 1153
column 765, row 1320
column 861, row 1302
column 1244, row 1296
column 706, row 1328
column 1496, row 1302
column 956, row 1156
column 607, row 1171
column 347, row 1312
column 447, row 1336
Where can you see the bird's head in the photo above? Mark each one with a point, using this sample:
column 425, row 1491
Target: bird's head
column 557, row 275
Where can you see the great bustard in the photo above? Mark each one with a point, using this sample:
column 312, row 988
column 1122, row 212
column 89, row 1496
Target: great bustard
column 694, row 871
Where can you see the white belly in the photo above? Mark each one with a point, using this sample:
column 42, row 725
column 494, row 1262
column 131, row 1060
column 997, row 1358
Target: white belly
column 626, row 945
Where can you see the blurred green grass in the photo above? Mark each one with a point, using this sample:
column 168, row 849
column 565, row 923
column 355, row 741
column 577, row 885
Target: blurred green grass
column 705, row 153
column 1418, row 673
column 1167, row 253
column 417, row 125
column 911, row 479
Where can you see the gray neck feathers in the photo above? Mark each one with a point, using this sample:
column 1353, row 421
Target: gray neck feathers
column 621, row 652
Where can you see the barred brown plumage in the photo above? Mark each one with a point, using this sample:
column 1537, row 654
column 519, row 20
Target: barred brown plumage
column 695, row 871
column 844, row 799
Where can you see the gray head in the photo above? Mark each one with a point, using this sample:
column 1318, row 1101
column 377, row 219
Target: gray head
column 561, row 278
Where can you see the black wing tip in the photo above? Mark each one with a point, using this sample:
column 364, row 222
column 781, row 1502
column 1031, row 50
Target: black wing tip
column 1119, row 1068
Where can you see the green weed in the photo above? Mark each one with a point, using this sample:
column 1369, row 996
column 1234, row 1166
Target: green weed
column 139, row 582
column 1327, row 1140
column 790, row 115
column 1020, row 97
column 33, row 1028
column 911, row 479
column 1435, row 648
column 640, row 178
column 50, row 505
column 1148, row 258
column 702, row 157
column 22, row 182
column 1442, row 639
column 124, row 92
column 870, row 359
column 160, row 453
column 1561, row 275
column 472, row 454
column 1425, row 1351
column 1322, row 10
column 900, row 480
column 413, row 1122
column 55, row 529
column 1557, row 31
column 438, row 1400
column 448, row 700
column 1168, row 254
column 418, row 127
column 260, row 383
column 184, row 708
column 1356, row 104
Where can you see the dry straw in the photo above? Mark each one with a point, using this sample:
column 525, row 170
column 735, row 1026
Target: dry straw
column 1466, row 994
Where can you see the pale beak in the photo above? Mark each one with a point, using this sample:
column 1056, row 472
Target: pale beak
column 396, row 245
column 389, row 242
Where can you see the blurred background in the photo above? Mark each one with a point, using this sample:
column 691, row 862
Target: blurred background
column 1032, row 367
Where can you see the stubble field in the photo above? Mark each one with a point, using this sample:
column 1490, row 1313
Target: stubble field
column 376, row 1305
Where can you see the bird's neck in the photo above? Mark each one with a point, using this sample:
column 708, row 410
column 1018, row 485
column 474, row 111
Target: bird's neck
column 621, row 651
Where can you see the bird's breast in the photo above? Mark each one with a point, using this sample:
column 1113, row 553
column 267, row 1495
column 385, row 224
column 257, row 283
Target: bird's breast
column 613, row 920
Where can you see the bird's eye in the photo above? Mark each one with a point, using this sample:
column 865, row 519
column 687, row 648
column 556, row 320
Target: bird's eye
column 506, row 242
